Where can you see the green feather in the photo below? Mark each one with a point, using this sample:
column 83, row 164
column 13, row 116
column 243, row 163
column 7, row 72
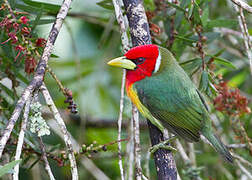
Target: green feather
column 171, row 97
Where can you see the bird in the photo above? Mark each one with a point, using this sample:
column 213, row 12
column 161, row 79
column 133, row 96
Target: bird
column 164, row 94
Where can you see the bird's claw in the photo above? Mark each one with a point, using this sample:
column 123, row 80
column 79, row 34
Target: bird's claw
column 164, row 145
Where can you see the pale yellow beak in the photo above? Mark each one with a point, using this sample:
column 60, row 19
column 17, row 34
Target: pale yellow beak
column 122, row 62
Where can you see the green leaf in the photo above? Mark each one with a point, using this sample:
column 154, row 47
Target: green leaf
column 250, row 31
column 219, row 52
column 43, row 21
column 149, row 5
column 204, row 17
column 191, row 66
column 230, row 23
column 195, row 15
column 184, row 3
column 45, row 6
column 189, row 61
column 176, row 6
column 34, row 163
column 223, row 61
column 36, row 21
column 22, row 78
column 28, row 9
column 7, row 91
column 7, row 167
column 186, row 39
column 204, row 81
column 54, row 56
column 106, row 4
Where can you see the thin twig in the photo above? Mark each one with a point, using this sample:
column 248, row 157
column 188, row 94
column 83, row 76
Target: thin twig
column 244, row 170
column 39, row 74
column 146, row 166
column 236, row 146
column 189, row 161
column 244, row 134
column 58, row 82
column 63, row 128
column 21, row 137
column 130, row 153
column 242, row 160
column 144, row 177
column 120, row 125
column 182, row 152
column 243, row 5
column 246, row 36
column 122, row 24
column 44, row 157
column 15, row 115
column 137, row 148
column 125, row 43
column 192, row 154
column 87, row 163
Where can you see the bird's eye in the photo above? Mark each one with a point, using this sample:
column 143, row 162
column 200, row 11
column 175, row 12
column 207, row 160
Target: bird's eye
column 139, row 60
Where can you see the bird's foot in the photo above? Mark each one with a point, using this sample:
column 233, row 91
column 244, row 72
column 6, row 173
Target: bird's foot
column 164, row 145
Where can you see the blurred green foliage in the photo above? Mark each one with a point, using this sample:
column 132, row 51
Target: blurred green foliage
column 88, row 39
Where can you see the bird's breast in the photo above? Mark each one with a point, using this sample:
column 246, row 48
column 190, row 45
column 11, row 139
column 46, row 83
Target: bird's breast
column 132, row 94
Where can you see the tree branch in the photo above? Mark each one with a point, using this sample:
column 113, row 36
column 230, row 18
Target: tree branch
column 243, row 5
column 125, row 43
column 244, row 170
column 242, row 160
column 44, row 157
column 140, row 34
column 246, row 36
column 137, row 148
column 63, row 128
column 130, row 153
column 39, row 74
column 21, row 137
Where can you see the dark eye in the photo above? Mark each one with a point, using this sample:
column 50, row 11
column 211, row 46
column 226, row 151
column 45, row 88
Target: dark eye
column 139, row 60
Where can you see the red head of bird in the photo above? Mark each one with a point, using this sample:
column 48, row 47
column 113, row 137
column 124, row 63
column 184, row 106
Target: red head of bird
column 140, row 61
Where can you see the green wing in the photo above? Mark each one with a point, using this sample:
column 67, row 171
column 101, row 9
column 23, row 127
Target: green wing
column 173, row 99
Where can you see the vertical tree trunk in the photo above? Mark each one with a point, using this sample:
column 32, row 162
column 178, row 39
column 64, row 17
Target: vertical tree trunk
column 140, row 35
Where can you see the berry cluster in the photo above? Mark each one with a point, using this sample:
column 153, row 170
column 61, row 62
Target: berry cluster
column 230, row 100
column 18, row 33
column 69, row 99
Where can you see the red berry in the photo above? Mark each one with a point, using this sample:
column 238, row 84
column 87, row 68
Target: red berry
column 40, row 42
column 24, row 19
column 25, row 30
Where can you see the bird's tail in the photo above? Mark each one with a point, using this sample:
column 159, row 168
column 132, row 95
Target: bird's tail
column 218, row 145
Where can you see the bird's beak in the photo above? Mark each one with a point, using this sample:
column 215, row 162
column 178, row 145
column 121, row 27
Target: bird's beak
column 122, row 62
